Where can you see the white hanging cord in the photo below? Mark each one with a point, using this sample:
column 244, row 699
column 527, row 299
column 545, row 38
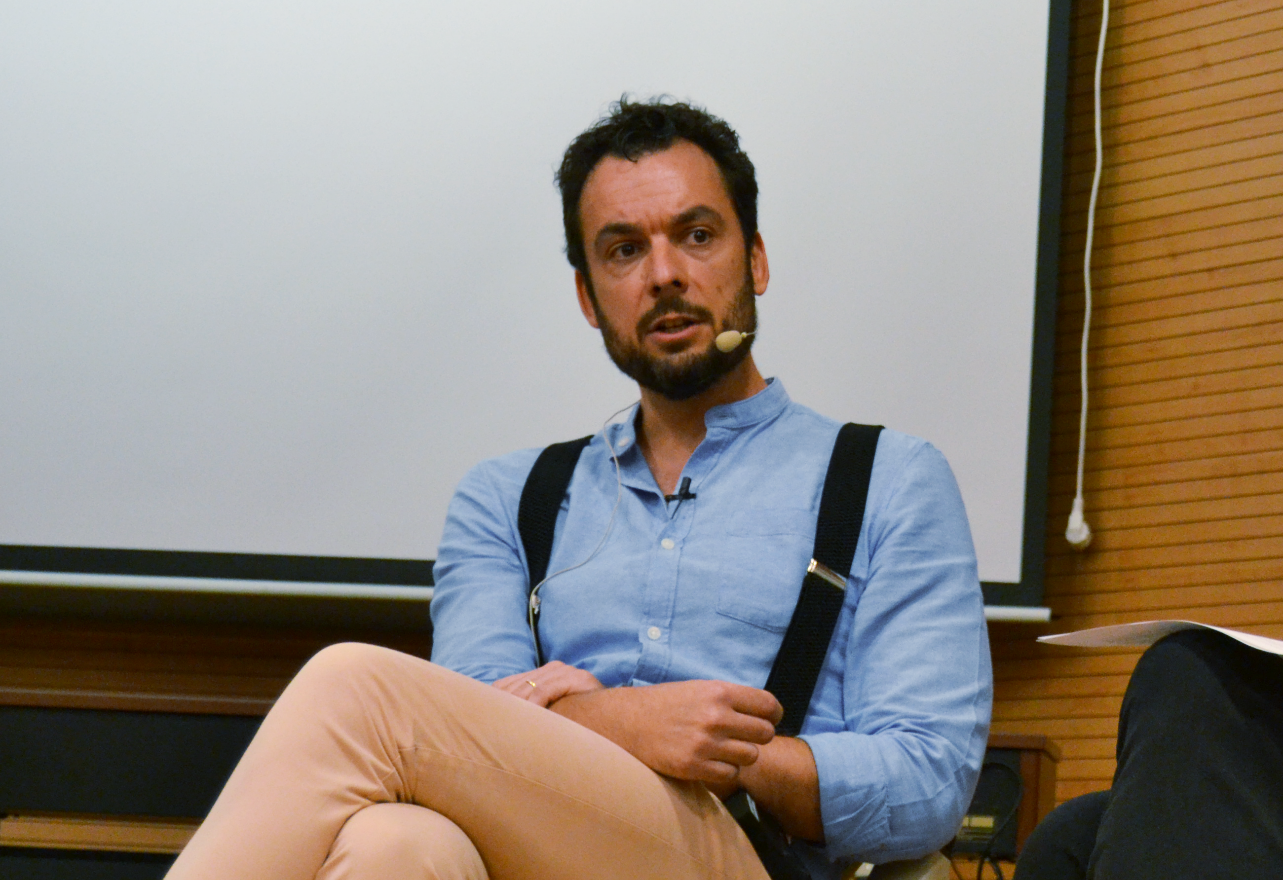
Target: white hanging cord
column 1078, row 533
column 533, row 606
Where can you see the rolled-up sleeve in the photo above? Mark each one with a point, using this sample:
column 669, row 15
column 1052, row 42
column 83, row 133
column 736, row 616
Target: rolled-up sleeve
column 900, row 720
column 480, row 594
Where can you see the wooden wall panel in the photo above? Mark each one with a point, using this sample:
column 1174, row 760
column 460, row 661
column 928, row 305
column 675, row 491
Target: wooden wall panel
column 1184, row 473
column 163, row 667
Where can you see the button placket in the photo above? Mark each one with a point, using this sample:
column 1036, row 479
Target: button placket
column 665, row 569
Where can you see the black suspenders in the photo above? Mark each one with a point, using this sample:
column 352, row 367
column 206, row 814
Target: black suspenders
column 541, row 499
column 837, row 529
column 537, row 516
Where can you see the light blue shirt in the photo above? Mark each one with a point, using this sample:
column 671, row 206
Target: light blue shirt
column 706, row 588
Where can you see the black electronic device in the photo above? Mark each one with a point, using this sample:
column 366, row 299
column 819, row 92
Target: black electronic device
column 989, row 828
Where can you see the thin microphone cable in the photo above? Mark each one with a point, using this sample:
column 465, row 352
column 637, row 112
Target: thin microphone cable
column 1078, row 533
column 532, row 608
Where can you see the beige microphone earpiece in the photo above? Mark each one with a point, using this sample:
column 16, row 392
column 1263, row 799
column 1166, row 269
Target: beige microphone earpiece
column 729, row 340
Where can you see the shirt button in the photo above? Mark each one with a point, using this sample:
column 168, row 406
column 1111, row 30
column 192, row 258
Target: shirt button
column 654, row 633
column 667, row 544
column 621, row 442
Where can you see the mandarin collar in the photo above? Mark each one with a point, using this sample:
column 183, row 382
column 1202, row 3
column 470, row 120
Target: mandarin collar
column 623, row 434
column 762, row 406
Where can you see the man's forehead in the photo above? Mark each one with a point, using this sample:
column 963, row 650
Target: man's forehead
column 669, row 180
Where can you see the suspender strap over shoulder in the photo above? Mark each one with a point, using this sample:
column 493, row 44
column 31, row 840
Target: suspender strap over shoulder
column 540, row 502
column 806, row 642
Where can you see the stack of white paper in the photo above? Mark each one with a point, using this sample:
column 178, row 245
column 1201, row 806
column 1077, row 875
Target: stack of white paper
column 1145, row 633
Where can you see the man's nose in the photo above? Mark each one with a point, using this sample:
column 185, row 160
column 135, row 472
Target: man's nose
column 666, row 268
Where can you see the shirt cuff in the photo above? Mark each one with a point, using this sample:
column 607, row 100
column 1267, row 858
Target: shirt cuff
column 853, row 795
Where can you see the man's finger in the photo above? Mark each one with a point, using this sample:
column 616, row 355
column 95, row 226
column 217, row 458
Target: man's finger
column 721, row 775
column 757, row 702
column 735, row 752
column 509, row 683
column 524, row 685
column 549, row 683
column 751, row 729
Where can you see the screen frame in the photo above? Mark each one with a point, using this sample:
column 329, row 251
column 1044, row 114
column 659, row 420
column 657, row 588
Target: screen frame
column 303, row 578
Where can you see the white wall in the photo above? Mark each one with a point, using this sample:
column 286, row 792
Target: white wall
column 275, row 274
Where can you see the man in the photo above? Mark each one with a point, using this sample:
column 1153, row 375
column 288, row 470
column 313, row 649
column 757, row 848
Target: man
column 680, row 549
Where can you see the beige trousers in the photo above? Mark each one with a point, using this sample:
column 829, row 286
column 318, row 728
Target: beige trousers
column 375, row 764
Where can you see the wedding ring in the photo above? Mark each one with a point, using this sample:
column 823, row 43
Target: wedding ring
column 531, row 683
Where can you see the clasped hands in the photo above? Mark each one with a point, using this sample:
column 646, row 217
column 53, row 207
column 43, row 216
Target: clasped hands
column 706, row 731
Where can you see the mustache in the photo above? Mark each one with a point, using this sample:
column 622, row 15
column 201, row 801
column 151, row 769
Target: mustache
column 671, row 305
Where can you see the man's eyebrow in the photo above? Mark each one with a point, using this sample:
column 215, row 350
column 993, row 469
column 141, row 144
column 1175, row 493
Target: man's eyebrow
column 696, row 214
column 610, row 230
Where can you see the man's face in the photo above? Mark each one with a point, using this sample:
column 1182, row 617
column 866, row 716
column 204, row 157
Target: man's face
column 667, row 268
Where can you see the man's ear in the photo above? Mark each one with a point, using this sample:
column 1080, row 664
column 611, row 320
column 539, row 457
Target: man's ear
column 585, row 300
column 758, row 265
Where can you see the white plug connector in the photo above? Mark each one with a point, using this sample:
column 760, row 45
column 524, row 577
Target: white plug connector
column 1078, row 534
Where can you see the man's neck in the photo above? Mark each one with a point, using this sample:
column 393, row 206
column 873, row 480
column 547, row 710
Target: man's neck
column 668, row 431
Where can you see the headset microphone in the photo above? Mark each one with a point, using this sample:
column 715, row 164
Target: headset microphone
column 729, row 340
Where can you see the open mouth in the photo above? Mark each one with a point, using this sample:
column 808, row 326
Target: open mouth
column 673, row 325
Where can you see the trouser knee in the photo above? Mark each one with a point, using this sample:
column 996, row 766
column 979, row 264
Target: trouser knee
column 1167, row 661
column 347, row 671
column 1177, row 673
column 402, row 842
column 1191, row 670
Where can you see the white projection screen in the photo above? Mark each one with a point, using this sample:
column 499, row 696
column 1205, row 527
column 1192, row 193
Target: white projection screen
column 275, row 274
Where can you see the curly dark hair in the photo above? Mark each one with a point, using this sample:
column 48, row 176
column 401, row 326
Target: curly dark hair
column 632, row 129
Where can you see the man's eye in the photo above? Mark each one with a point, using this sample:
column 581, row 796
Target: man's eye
column 624, row 251
column 701, row 236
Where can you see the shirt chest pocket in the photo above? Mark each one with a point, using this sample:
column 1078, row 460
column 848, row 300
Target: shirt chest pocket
column 764, row 556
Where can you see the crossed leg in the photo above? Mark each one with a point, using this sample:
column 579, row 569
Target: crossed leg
column 364, row 738
column 1199, row 785
column 1200, row 765
column 392, row 841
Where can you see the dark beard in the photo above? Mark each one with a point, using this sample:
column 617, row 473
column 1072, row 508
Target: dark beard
column 693, row 372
